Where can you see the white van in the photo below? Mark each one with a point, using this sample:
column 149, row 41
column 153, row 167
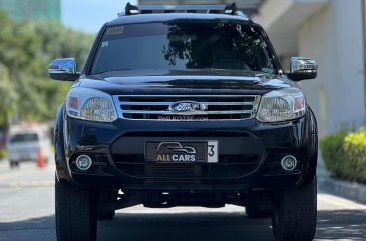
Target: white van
column 27, row 143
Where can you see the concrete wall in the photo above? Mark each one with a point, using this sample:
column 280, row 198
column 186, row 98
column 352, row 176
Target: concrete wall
column 334, row 37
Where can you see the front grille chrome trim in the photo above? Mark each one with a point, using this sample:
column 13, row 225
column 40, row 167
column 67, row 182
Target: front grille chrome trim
column 199, row 113
column 169, row 103
column 126, row 109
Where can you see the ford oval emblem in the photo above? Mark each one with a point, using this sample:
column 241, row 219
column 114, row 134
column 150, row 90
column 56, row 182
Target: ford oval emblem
column 188, row 108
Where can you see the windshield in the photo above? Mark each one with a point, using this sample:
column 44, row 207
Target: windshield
column 183, row 45
column 24, row 137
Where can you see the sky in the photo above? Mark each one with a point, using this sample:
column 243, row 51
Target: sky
column 89, row 15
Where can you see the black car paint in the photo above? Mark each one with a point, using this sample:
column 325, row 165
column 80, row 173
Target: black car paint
column 205, row 81
column 72, row 136
column 296, row 137
column 287, row 136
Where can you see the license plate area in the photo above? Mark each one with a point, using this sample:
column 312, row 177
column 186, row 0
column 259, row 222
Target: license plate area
column 181, row 152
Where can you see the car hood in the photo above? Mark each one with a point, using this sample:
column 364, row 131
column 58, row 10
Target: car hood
column 193, row 82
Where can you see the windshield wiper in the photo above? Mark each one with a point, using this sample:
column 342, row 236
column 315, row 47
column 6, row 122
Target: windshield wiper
column 113, row 70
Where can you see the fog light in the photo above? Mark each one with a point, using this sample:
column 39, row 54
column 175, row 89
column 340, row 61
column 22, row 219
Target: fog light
column 289, row 163
column 83, row 162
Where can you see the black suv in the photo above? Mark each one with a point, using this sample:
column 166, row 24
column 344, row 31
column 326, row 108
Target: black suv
column 185, row 105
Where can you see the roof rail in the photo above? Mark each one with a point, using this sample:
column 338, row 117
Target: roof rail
column 184, row 8
column 129, row 8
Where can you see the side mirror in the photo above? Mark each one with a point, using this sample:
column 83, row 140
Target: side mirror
column 63, row 69
column 302, row 68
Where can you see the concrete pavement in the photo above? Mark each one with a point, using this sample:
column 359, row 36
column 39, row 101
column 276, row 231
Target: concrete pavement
column 27, row 214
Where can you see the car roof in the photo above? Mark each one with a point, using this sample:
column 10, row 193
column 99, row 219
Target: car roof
column 164, row 17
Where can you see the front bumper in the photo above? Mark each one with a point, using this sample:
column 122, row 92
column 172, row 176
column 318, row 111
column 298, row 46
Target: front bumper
column 249, row 154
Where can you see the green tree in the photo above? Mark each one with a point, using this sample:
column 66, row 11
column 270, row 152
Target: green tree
column 25, row 51
column 8, row 96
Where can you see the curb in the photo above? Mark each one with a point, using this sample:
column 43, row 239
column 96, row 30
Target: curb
column 351, row 190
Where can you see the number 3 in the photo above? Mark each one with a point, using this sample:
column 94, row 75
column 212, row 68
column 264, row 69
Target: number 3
column 211, row 151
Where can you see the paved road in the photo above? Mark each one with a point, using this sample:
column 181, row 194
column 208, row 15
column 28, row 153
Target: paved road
column 27, row 214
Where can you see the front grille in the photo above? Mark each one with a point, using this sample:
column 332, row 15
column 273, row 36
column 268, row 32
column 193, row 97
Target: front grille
column 229, row 166
column 156, row 107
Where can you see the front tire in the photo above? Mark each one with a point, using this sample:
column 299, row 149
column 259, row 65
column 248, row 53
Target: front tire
column 75, row 213
column 14, row 164
column 106, row 198
column 294, row 213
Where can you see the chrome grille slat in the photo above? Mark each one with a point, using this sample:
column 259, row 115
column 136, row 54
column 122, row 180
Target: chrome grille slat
column 169, row 103
column 171, row 113
column 196, row 96
column 219, row 107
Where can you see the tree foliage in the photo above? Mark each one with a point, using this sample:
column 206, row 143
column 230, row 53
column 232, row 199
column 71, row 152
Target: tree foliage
column 26, row 48
column 8, row 95
column 344, row 154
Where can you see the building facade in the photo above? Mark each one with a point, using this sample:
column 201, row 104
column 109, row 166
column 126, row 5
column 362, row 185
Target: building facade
column 332, row 32
column 32, row 9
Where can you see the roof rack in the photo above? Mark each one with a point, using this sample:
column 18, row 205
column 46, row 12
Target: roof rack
column 185, row 8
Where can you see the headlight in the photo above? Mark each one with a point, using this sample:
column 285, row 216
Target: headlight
column 282, row 105
column 89, row 104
